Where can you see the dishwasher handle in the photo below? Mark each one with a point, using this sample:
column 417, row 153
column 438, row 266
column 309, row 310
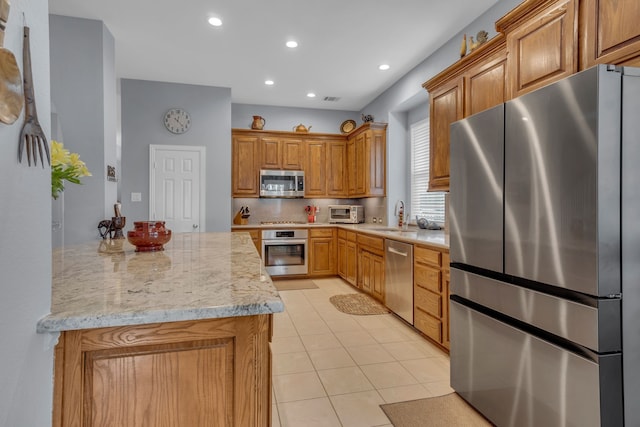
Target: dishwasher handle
column 397, row 252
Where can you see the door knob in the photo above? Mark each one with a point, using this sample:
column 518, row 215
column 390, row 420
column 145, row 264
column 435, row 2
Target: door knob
column 195, row 226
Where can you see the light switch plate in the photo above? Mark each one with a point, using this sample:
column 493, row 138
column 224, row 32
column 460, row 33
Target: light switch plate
column 136, row 197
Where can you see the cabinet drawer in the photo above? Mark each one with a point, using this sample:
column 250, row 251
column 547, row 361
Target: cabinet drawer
column 428, row 301
column 428, row 325
column 376, row 243
column 427, row 256
column 321, row 232
column 351, row 236
column 342, row 234
column 427, row 277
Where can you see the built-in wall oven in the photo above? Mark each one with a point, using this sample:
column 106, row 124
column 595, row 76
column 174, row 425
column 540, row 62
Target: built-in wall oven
column 284, row 252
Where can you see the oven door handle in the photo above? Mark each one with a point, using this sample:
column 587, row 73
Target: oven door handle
column 285, row 242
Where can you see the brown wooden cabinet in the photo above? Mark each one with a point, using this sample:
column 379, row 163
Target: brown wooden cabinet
column 322, row 252
column 542, row 43
column 471, row 85
column 366, row 159
column 431, row 293
column 213, row 372
column 281, row 153
column 446, row 105
column 370, row 265
column 336, row 168
column 315, row 178
column 244, row 165
column 609, row 32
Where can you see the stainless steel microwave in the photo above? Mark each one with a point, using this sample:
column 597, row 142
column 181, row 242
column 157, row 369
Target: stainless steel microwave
column 281, row 183
column 346, row 214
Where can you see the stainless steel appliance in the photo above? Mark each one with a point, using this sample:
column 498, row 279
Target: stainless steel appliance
column 346, row 214
column 545, row 254
column 284, row 252
column 398, row 273
column 281, row 183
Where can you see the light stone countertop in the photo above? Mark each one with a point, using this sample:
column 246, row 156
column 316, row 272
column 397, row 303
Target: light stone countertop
column 197, row 276
column 435, row 238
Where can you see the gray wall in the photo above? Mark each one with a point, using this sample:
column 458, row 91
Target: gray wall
column 285, row 118
column 144, row 104
column 25, row 246
column 84, row 98
column 407, row 94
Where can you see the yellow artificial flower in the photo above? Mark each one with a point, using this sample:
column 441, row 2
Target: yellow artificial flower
column 65, row 166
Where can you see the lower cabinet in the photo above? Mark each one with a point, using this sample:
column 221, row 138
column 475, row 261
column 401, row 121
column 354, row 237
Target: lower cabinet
column 370, row 278
column 322, row 252
column 214, row 372
column 431, row 293
column 348, row 256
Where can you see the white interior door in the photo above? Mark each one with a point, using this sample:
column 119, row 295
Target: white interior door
column 177, row 187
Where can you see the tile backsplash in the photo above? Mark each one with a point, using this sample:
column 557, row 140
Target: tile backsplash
column 262, row 209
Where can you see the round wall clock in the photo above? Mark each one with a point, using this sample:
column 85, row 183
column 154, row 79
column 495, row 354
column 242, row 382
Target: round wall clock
column 177, row 120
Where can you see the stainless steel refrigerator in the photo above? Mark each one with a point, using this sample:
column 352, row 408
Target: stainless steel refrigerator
column 545, row 254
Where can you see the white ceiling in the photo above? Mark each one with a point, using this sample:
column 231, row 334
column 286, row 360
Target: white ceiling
column 341, row 43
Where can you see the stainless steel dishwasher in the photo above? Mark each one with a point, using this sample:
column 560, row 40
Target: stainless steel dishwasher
column 399, row 278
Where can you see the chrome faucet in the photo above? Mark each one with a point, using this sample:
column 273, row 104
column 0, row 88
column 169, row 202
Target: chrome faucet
column 399, row 213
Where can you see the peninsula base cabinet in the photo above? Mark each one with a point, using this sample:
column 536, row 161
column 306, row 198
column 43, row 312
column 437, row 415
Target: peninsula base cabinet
column 214, row 372
column 371, row 265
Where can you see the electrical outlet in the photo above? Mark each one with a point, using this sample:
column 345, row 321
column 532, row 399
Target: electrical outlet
column 136, row 197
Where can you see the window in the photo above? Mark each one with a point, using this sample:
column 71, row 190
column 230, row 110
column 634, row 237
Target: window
column 423, row 204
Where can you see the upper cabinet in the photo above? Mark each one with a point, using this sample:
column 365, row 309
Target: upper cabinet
column 609, row 32
column 367, row 160
column 542, row 43
column 474, row 83
column 244, row 164
column 281, row 153
column 335, row 166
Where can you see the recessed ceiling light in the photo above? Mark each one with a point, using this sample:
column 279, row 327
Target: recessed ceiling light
column 311, row 95
column 383, row 67
column 292, row 44
column 269, row 82
column 215, row 21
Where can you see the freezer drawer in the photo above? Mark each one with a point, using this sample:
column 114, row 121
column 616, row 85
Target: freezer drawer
column 595, row 327
column 517, row 379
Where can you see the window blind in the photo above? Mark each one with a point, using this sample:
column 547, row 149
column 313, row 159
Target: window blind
column 423, row 204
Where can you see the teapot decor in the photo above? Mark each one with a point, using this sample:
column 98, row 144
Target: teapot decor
column 301, row 128
column 258, row 123
column 367, row 118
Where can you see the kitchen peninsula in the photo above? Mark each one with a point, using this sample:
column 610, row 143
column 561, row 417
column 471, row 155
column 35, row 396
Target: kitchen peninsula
column 178, row 337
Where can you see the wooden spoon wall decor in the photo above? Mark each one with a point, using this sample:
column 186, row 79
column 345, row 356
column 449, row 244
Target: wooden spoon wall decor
column 11, row 97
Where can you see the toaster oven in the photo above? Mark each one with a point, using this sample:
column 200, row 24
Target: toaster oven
column 346, row 214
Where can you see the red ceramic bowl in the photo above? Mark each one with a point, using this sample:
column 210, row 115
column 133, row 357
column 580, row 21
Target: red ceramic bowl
column 149, row 236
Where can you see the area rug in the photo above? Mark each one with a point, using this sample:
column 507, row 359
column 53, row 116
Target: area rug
column 443, row 411
column 294, row 285
column 360, row 304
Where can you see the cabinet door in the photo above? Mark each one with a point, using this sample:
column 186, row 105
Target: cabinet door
column 322, row 256
column 377, row 277
column 336, row 168
column 365, row 260
column 291, row 154
column 342, row 258
column 271, row 153
column 610, row 32
column 376, row 147
column 315, row 168
column 446, row 106
column 360, row 166
column 244, row 174
column 352, row 263
column 351, row 166
column 543, row 49
column 486, row 84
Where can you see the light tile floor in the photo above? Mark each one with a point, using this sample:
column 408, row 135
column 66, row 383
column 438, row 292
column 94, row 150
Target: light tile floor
column 335, row 369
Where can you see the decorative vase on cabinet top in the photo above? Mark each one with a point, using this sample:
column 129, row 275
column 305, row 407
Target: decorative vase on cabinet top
column 258, row 123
